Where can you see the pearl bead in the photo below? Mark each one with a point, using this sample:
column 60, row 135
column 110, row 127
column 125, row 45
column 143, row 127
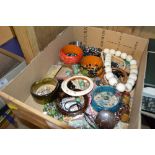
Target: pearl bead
column 112, row 81
column 120, row 87
column 133, row 76
column 129, row 58
column 118, row 53
column 112, row 51
column 107, row 63
column 133, row 66
column 108, row 55
column 108, row 69
column 123, row 55
column 109, row 75
column 135, row 71
column 108, row 59
column 131, row 81
column 133, row 62
column 106, row 50
column 128, row 87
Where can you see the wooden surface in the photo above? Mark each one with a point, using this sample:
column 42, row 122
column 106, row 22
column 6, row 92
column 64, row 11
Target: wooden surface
column 5, row 34
column 30, row 114
column 22, row 124
column 27, row 40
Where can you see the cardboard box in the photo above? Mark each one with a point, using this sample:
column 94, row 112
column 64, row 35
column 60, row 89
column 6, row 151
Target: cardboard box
column 17, row 93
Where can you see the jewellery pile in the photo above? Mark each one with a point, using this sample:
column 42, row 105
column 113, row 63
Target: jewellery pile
column 92, row 51
column 44, row 90
column 94, row 87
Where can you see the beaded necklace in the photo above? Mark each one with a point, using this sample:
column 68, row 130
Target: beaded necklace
column 112, row 80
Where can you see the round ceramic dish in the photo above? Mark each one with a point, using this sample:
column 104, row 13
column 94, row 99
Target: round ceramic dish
column 71, row 92
column 92, row 66
column 106, row 98
column 71, row 49
column 44, row 91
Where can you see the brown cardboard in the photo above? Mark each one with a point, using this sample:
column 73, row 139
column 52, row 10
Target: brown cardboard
column 18, row 91
column 136, row 106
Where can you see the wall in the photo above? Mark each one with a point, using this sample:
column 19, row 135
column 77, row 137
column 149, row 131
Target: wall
column 34, row 39
column 45, row 34
column 8, row 40
column 142, row 31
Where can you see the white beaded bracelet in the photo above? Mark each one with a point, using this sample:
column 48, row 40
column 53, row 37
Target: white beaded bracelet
column 110, row 76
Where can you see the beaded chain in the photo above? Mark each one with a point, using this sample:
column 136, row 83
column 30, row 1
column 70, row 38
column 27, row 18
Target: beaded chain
column 128, row 86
